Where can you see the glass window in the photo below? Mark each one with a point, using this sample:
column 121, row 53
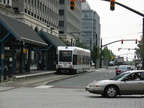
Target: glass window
column 61, row 23
column 74, row 59
column 65, row 56
column 61, row 12
column 61, row 1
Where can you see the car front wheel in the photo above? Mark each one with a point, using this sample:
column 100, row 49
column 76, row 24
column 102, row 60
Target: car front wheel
column 111, row 91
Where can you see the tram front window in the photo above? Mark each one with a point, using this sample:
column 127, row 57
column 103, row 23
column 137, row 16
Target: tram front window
column 65, row 56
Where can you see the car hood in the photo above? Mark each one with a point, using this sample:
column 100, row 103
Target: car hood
column 103, row 82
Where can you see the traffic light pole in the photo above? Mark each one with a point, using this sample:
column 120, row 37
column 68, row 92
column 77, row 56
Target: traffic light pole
column 135, row 11
column 119, row 41
column 143, row 43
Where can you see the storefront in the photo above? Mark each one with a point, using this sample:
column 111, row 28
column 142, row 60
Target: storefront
column 17, row 44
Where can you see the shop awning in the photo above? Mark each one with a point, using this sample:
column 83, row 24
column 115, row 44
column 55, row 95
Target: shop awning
column 20, row 30
column 51, row 39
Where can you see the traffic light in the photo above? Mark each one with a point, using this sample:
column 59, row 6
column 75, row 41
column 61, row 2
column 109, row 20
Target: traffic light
column 122, row 41
column 112, row 5
column 136, row 41
column 72, row 4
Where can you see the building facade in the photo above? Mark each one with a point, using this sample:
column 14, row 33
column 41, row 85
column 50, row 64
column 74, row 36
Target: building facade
column 38, row 14
column 27, row 50
column 90, row 33
column 69, row 21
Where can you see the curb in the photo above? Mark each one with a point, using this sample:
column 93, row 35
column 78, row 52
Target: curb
column 22, row 77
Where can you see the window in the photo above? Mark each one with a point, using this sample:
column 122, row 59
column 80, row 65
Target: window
column 61, row 32
column 142, row 76
column 65, row 56
column 29, row 12
column 61, row 23
column 61, row 1
column 61, row 12
column 74, row 59
column 25, row 10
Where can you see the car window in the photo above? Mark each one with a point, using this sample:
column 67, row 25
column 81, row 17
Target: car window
column 121, row 76
column 142, row 76
column 122, row 68
column 129, row 68
column 133, row 77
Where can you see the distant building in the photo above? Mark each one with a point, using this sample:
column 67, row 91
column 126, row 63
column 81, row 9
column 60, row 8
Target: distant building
column 69, row 21
column 90, row 32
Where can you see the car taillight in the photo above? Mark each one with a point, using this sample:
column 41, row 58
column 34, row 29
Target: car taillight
column 96, row 86
column 70, row 66
column 118, row 70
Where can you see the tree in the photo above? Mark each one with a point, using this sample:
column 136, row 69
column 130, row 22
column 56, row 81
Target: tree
column 95, row 54
column 140, row 49
column 81, row 44
column 107, row 55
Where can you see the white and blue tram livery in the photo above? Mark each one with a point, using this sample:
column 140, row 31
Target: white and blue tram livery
column 72, row 59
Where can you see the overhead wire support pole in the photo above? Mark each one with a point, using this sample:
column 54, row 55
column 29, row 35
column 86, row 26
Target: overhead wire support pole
column 118, row 41
column 138, row 13
column 135, row 11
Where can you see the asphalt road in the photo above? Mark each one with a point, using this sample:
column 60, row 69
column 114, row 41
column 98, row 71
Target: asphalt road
column 66, row 93
column 82, row 80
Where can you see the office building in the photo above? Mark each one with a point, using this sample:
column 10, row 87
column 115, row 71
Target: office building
column 90, row 33
column 69, row 21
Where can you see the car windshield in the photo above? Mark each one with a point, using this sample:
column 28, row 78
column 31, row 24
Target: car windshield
column 124, row 67
column 119, row 77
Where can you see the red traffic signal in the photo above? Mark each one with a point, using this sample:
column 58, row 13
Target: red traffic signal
column 122, row 41
column 136, row 41
column 72, row 4
column 112, row 5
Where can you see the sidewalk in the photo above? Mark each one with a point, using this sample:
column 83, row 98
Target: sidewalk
column 27, row 75
column 32, row 74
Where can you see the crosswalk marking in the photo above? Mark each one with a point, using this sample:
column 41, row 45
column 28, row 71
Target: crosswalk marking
column 44, row 86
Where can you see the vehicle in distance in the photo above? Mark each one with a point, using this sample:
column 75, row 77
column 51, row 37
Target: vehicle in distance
column 123, row 68
column 119, row 60
column 111, row 63
column 72, row 59
column 127, row 83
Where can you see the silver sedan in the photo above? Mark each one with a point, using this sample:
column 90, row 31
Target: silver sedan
column 127, row 83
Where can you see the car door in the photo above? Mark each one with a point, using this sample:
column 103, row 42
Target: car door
column 142, row 81
column 132, row 86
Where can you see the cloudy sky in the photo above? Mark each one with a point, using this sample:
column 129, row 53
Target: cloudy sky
column 119, row 24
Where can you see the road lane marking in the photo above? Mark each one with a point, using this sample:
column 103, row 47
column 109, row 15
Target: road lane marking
column 45, row 86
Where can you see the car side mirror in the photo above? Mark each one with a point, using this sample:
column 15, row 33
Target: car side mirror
column 116, row 68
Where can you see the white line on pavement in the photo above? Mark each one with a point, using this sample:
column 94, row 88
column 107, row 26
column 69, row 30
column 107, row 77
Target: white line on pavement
column 45, row 86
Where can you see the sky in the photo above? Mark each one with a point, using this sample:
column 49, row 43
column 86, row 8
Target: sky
column 120, row 24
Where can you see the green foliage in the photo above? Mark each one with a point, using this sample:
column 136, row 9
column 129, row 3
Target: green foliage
column 81, row 44
column 95, row 54
column 108, row 54
column 140, row 49
column 64, row 41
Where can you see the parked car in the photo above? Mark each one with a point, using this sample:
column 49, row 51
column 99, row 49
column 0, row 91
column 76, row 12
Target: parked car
column 123, row 84
column 123, row 68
